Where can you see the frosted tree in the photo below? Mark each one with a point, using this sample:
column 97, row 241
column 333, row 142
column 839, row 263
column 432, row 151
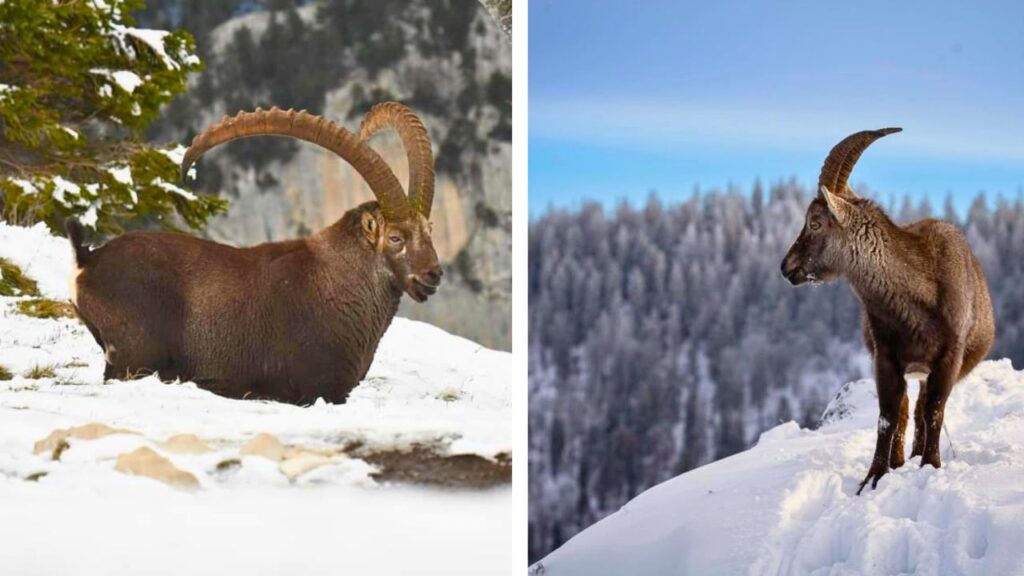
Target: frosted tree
column 78, row 84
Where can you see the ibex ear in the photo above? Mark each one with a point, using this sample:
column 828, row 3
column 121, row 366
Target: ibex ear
column 838, row 206
column 370, row 228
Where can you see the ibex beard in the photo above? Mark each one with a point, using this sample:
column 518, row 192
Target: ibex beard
column 926, row 311
column 290, row 321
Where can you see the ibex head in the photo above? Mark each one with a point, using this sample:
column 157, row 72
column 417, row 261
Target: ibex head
column 398, row 227
column 406, row 242
column 836, row 219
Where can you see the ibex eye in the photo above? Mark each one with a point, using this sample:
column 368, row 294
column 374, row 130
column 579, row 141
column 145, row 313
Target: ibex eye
column 815, row 225
column 395, row 239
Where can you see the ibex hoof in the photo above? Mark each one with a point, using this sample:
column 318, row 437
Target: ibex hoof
column 874, row 475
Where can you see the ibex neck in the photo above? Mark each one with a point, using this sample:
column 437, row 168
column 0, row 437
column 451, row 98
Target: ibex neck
column 876, row 266
column 353, row 279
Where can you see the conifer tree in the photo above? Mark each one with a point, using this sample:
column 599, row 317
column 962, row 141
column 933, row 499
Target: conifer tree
column 78, row 84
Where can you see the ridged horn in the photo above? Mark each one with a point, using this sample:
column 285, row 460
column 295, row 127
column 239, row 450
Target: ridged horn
column 317, row 130
column 840, row 161
column 416, row 142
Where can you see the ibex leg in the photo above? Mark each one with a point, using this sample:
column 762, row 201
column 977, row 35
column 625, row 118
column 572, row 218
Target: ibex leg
column 940, row 384
column 892, row 389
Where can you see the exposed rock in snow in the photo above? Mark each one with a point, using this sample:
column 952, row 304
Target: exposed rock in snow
column 789, row 506
column 146, row 462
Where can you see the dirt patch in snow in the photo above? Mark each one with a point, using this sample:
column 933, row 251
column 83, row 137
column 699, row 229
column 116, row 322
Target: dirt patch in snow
column 421, row 465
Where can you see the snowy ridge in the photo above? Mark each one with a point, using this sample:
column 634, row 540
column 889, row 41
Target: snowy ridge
column 788, row 505
column 312, row 485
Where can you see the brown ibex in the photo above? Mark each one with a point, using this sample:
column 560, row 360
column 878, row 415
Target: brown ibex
column 289, row 321
column 926, row 307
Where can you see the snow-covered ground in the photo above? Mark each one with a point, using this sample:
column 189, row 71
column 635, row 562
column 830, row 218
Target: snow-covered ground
column 788, row 505
column 302, row 498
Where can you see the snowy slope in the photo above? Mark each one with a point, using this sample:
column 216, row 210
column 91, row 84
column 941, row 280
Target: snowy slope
column 308, row 498
column 788, row 505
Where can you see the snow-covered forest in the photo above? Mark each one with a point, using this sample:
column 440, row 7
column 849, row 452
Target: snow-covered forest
column 788, row 506
column 664, row 337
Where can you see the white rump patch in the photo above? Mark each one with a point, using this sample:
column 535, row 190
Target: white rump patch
column 73, row 280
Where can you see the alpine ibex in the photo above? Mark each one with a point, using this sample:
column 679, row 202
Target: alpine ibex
column 926, row 307
column 290, row 321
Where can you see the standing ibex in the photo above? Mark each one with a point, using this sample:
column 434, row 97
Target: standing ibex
column 290, row 321
column 926, row 307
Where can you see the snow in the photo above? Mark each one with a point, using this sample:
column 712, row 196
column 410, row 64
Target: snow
column 27, row 188
column 789, row 506
column 122, row 174
column 41, row 256
column 168, row 187
column 91, row 215
column 125, row 79
column 312, row 515
column 61, row 187
column 177, row 155
column 154, row 39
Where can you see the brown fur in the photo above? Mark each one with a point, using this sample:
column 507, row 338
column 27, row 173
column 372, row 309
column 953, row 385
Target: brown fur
column 290, row 321
column 926, row 308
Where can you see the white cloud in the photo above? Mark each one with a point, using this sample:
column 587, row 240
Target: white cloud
column 653, row 123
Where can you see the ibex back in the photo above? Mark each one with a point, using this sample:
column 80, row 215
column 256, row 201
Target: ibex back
column 926, row 307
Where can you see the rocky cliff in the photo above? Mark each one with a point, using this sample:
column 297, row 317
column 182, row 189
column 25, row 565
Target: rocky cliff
column 447, row 60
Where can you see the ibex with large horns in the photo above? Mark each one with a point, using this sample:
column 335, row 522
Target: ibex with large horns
column 290, row 321
column 926, row 307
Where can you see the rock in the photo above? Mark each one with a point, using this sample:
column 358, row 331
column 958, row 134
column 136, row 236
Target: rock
column 185, row 444
column 57, row 442
column 229, row 465
column 146, row 462
column 302, row 462
column 266, row 445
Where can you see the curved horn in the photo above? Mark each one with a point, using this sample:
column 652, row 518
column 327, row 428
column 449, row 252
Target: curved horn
column 416, row 142
column 318, row 130
column 844, row 155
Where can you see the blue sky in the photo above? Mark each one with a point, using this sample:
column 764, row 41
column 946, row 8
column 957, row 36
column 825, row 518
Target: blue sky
column 629, row 97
